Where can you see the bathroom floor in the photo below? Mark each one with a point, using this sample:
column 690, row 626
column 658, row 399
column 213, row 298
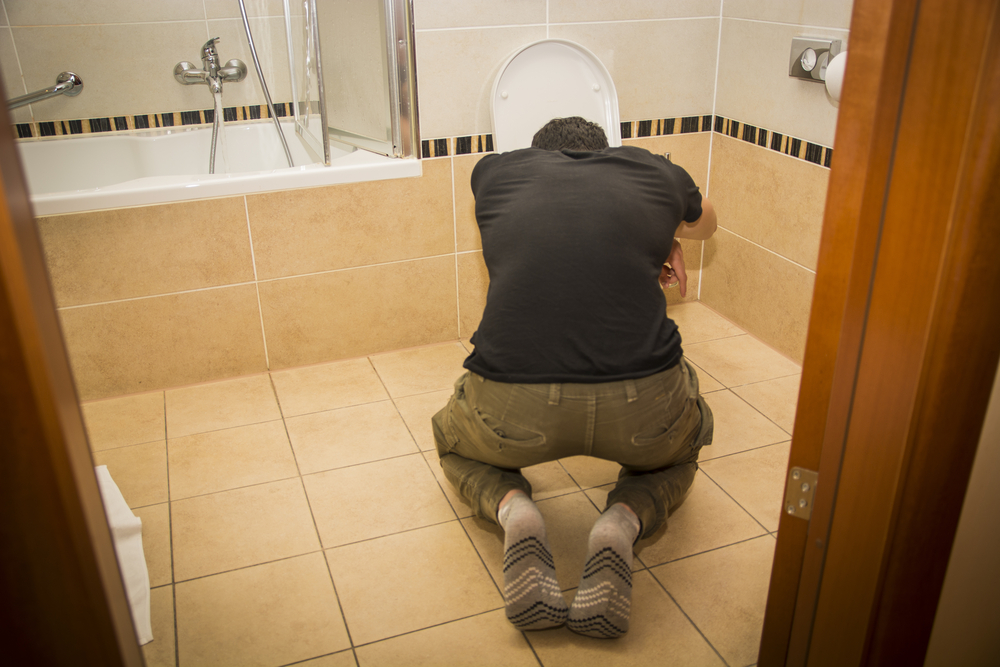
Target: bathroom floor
column 300, row 517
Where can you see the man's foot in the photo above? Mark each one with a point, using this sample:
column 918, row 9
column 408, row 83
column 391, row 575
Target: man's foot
column 530, row 588
column 603, row 600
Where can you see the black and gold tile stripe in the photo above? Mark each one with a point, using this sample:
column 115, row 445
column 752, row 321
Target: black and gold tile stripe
column 797, row 148
column 147, row 121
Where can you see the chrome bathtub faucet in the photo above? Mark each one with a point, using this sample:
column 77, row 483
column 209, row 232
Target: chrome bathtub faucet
column 212, row 74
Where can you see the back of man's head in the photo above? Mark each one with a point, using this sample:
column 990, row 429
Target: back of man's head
column 574, row 133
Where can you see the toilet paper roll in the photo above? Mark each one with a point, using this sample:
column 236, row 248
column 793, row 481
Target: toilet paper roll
column 835, row 75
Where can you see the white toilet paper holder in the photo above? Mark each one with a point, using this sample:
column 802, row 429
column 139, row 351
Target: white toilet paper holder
column 810, row 56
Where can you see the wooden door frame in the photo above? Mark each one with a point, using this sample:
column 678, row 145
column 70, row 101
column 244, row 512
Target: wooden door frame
column 901, row 350
column 60, row 585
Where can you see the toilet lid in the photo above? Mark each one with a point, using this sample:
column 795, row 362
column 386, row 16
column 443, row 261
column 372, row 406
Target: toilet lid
column 552, row 78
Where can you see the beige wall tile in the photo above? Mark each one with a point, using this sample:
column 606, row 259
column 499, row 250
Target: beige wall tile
column 13, row 84
column 623, row 10
column 129, row 420
column 761, row 292
column 698, row 323
column 831, row 13
column 653, row 615
column 319, row 229
column 132, row 346
column 403, row 489
column 658, row 88
column 229, row 459
column 349, row 436
column 68, row 12
column 236, row 529
column 692, row 266
column 769, row 198
column 476, row 13
column 724, row 592
column 345, row 314
column 139, row 471
column 95, row 53
column 759, row 91
column 156, row 543
column 467, row 61
column 272, row 614
column 327, row 387
column 215, row 9
column 686, row 150
column 131, row 252
column 484, row 639
column 473, row 282
column 466, row 229
column 409, row 568
column 219, row 405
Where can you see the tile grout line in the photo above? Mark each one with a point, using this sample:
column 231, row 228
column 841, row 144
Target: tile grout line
column 711, row 140
column 170, row 529
column 256, row 284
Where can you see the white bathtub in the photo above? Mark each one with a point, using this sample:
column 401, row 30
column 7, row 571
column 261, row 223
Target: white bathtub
column 96, row 171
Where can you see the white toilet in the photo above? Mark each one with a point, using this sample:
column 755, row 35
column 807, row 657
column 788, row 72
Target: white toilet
column 552, row 78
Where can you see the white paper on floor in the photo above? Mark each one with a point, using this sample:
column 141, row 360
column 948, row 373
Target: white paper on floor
column 126, row 533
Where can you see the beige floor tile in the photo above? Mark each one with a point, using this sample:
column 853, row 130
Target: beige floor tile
column 239, row 528
column 156, row 543
column 706, row 383
column 161, row 651
column 140, row 471
column 375, row 499
column 724, row 592
column 458, row 504
column 410, row 581
column 756, row 479
column 342, row 659
column 740, row 360
column 590, row 472
column 327, row 387
column 699, row 323
column 549, row 480
column 219, row 405
column 417, row 412
column 738, row 426
column 228, row 459
column 129, row 420
column 480, row 641
column 349, row 436
column 568, row 520
column 777, row 399
column 707, row 519
column 659, row 633
column 420, row 370
column 270, row 614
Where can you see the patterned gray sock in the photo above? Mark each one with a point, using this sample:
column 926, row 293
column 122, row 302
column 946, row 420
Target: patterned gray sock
column 530, row 588
column 603, row 600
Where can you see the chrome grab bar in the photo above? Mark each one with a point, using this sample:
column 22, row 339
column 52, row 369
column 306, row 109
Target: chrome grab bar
column 67, row 83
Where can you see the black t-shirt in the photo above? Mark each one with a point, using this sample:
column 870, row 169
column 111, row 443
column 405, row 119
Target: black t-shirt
column 574, row 243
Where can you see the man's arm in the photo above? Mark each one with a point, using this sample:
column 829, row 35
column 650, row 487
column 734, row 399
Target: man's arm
column 702, row 228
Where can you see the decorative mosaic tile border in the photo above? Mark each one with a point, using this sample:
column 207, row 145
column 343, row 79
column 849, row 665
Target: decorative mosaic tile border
column 58, row 128
column 791, row 146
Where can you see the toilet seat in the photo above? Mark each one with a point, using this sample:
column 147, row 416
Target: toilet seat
column 551, row 78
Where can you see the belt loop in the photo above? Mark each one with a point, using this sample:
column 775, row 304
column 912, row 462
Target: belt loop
column 630, row 391
column 554, row 392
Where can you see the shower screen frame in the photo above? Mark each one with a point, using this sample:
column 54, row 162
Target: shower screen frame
column 365, row 94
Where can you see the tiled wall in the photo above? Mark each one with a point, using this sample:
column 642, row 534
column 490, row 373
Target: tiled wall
column 759, row 268
column 167, row 295
column 125, row 52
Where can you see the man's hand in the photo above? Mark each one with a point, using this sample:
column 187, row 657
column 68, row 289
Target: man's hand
column 673, row 272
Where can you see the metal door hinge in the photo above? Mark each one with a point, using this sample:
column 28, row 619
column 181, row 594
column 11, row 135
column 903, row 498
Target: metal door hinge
column 800, row 492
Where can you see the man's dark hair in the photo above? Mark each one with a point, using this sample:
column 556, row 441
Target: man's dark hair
column 574, row 133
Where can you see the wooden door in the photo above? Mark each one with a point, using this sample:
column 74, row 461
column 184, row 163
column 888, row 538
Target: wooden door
column 902, row 345
column 60, row 588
